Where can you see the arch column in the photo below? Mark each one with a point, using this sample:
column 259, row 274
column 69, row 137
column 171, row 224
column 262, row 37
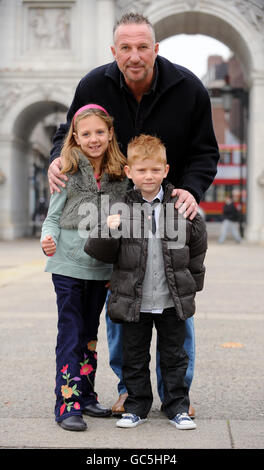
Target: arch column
column 14, row 190
column 105, row 10
column 255, row 204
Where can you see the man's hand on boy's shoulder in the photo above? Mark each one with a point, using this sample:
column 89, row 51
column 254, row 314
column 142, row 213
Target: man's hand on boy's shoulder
column 186, row 203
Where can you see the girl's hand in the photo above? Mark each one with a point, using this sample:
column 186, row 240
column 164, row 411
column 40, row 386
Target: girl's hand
column 113, row 221
column 48, row 245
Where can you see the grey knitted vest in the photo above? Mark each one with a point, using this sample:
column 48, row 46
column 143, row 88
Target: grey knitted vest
column 82, row 190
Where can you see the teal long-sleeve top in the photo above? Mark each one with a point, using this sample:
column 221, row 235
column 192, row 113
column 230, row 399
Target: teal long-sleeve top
column 70, row 258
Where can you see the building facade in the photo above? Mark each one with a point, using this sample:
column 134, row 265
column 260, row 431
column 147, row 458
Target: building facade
column 48, row 45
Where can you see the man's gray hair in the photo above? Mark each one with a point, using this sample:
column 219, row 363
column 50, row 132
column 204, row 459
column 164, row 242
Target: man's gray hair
column 134, row 18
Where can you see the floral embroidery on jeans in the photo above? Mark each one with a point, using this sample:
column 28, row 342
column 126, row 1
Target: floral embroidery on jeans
column 67, row 391
column 87, row 369
column 92, row 345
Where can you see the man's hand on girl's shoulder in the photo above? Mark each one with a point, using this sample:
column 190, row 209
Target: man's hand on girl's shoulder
column 56, row 178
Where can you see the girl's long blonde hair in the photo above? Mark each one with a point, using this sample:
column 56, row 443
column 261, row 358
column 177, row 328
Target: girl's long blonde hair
column 113, row 162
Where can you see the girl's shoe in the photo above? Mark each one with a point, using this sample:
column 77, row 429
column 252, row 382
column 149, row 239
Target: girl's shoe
column 183, row 421
column 73, row 423
column 129, row 420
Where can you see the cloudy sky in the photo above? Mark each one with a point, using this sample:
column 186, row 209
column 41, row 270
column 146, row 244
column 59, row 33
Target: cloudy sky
column 192, row 51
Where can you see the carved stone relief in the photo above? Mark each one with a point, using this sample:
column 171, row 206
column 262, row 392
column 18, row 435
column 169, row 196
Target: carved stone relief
column 253, row 10
column 131, row 5
column 11, row 93
column 48, row 29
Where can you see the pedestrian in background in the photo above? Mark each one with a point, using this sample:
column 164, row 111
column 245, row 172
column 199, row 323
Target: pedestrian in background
column 230, row 221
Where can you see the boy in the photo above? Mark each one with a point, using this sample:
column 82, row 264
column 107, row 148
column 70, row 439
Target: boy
column 155, row 277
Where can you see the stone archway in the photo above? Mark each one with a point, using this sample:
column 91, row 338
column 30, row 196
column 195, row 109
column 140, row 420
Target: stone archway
column 33, row 79
column 240, row 25
column 18, row 151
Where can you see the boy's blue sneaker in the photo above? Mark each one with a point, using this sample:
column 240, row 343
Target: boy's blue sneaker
column 183, row 421
column 129, row 420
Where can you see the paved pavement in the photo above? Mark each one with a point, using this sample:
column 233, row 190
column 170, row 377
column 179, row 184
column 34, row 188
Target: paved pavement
column 227, row 390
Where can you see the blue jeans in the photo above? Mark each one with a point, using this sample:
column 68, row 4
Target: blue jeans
column 229, row 226
column 114, row 337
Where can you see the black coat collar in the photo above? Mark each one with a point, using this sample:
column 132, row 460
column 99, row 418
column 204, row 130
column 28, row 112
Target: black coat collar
column 169, row 74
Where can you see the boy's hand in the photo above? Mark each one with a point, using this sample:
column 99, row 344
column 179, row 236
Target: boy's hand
column 113, row 221
column 55, row 176
column 48, row 245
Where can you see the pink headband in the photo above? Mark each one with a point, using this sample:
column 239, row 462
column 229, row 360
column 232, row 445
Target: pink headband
column 89, row 106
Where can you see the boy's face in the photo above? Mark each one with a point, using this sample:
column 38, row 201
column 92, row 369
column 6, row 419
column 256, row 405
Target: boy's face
column 147, row 175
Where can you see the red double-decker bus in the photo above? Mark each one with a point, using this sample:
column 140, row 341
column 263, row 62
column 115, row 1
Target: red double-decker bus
column 230, row 181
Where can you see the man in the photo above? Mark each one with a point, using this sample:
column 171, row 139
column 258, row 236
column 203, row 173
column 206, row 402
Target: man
column 148, row 94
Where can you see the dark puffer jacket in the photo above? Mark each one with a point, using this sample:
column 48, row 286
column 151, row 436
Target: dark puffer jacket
column 184, row 267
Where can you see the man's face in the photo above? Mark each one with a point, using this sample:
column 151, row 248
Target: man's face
column 135, row 52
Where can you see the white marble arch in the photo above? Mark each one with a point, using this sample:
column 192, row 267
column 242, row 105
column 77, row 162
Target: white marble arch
column 37, row 72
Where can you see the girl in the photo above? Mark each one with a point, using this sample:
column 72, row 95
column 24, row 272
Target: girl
column 94, row 165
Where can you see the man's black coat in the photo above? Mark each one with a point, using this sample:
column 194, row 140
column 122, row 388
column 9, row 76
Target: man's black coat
column 179, row 114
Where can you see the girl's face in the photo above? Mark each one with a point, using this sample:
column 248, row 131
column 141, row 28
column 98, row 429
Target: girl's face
column 93, row 136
